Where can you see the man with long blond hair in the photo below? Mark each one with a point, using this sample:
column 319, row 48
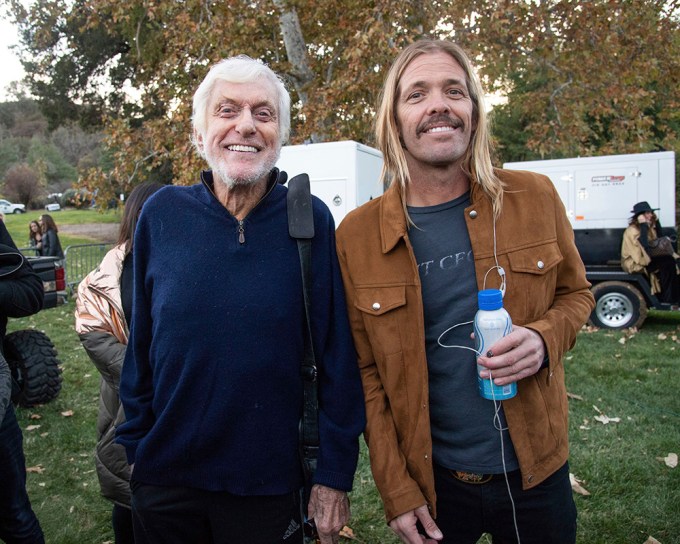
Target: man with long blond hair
column 449, row 464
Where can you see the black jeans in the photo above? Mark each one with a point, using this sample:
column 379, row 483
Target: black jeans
column 545, row 514
column 664, row 267
column 18, row 523
column 180, row 515
column 121, row 520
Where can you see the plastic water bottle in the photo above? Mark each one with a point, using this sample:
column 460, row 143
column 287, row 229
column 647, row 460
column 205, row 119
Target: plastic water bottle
column 492, row 323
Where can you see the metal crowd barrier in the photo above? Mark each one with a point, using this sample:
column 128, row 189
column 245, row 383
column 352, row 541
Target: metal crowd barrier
column 29, row 251
column 81, row 260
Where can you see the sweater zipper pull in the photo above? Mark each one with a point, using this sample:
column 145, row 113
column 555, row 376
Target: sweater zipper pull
column 241, row 233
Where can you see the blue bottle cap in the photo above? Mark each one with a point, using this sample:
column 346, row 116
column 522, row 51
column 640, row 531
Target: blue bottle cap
column 490, row 299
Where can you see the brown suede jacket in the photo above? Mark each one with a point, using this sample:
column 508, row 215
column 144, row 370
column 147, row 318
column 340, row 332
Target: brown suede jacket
column 547, row 291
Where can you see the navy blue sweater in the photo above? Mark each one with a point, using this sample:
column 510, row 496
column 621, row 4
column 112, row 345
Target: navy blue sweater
column 211, row 381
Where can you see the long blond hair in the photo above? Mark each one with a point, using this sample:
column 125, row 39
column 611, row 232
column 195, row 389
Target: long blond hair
column 477, row 159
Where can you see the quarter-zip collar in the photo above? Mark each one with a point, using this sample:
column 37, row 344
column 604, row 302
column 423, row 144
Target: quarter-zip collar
column 275, row 177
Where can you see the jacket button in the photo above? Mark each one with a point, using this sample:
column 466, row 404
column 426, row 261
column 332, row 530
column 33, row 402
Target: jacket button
column 473, row 214
column 376, row 306
column 530, row 478
column 541, row 265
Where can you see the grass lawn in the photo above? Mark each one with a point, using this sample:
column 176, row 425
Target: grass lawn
column 633, row 379
column 17, row 224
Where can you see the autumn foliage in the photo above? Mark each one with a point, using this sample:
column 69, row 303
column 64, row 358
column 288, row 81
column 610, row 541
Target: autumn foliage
column 581, row 78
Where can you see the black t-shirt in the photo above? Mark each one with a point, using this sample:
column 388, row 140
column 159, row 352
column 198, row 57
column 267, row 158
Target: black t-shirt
column 462, row 422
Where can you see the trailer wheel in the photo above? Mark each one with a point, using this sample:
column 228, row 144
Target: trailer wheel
column 33, row 361
column 618, row 305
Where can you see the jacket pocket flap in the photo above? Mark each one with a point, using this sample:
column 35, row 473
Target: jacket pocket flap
column 535, row 260
column 378, row 300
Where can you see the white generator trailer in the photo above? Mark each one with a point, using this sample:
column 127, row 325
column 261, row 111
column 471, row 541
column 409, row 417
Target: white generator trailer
column 599, row 194
column 343, row 174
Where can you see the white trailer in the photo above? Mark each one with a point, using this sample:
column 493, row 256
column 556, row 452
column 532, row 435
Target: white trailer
column 599, row 194
column 343, row 174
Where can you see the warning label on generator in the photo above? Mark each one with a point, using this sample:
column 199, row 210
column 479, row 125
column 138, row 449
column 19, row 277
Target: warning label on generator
column 599, row 181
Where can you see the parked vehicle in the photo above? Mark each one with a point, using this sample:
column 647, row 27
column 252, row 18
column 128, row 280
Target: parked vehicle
column 7, row 207
column 31, row 355
column 53, row 207
column 599, row 193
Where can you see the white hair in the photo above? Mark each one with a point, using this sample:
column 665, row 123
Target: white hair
column 239, row 69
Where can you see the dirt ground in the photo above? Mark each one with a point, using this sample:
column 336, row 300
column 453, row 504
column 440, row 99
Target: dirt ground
column 101, row 232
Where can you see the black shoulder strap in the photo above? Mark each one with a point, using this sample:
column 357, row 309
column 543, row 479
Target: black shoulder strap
column 300, row 213
column 301, row 227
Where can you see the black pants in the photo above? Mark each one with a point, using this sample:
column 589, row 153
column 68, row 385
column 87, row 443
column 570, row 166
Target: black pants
column 665, row 269
column 121, row 520
column 18, row 524
column 545, row 514
column 180, row 515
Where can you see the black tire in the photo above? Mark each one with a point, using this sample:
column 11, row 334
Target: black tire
column 618, row 305
column 17, row 211
column 35, row 367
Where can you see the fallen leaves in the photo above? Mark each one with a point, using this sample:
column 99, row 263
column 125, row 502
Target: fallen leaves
column 576, row 486
column 603, row 418
column 30, row 428
column 38, row 469
column 67, row 413
column 652, row 540
column 346, row 532
column 671, row 460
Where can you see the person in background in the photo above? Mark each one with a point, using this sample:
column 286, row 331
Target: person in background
column 35, row 236
column 103, row 311
column 21, row 294
column 51, row 246
column 413, row 261
column 643, row 229
column 211, row 384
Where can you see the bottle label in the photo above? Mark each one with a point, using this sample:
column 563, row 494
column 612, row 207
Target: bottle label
column 491, row 326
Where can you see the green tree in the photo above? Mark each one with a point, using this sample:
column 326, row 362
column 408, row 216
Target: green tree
column 58, row 173
column 581, row 77
column 332, row 54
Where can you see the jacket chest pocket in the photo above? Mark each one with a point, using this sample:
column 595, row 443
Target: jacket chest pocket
column 533, row 280
column 382, row 308
column 394, row 334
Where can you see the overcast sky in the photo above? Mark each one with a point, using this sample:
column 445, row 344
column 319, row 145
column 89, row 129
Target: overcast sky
column 10, row 68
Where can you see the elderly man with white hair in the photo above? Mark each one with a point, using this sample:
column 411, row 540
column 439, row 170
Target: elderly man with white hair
column 211, row 383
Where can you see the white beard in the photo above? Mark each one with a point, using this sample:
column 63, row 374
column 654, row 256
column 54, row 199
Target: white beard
column 221, row 171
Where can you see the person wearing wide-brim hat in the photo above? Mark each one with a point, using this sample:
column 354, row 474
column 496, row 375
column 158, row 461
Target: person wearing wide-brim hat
column 642, row 207
column 644, row 229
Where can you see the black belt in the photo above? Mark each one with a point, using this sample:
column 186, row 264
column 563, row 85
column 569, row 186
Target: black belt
column 474, row 478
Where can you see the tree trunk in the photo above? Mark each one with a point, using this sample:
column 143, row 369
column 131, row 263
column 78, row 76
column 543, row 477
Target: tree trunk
column 302, row 74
